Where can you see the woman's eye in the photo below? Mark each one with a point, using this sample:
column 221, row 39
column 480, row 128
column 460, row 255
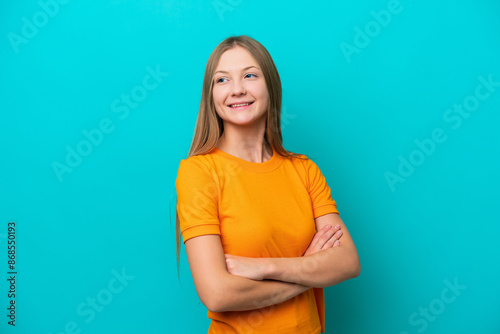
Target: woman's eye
column 251, row 74
column 220, row 80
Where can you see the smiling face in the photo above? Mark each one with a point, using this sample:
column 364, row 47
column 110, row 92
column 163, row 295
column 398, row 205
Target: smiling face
column 239, row 89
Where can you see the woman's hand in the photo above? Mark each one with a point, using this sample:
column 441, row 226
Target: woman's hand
column 255, row 268
column 325, row 238
column 249, row 267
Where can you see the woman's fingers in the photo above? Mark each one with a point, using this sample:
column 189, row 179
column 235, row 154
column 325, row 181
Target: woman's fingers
column 318, row 235
column 325, row 238
column 334, row 241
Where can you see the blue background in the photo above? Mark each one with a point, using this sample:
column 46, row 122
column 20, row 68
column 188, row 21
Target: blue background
column 356, row 114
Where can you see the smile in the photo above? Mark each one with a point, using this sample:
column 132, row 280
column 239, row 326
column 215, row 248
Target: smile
column 238, row 105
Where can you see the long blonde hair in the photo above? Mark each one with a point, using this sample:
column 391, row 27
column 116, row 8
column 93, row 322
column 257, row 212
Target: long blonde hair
column 209, row 126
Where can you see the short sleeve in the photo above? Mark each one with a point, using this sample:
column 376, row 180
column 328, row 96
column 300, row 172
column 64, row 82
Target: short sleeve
column 197, row 200
column 319, row 191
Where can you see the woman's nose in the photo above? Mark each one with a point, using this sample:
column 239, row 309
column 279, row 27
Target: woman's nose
column 238, row 88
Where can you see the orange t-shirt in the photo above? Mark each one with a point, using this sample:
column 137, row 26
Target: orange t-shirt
column 259, row 210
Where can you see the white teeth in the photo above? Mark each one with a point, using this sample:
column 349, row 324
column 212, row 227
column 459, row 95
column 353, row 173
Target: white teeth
column 240, row 105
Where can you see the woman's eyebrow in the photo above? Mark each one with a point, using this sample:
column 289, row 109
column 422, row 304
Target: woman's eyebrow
column 246, row 68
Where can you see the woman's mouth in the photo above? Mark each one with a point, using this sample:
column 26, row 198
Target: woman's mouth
column 240, row 106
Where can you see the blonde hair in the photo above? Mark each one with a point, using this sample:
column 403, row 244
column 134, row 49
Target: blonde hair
column 209, row 126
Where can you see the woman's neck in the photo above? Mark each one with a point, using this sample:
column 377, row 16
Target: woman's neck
column 249, row 147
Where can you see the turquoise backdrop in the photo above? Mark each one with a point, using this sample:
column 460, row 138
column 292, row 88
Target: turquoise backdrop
column 396, row 101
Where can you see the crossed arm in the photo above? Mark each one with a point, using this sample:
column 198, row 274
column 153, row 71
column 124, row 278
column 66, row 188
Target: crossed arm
column 232, row 283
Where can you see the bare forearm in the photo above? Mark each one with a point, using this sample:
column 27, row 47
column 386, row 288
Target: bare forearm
column 326, row 268
column 326, row 261
column 240, row 294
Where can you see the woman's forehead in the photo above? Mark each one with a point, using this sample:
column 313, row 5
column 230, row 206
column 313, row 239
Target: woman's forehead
column 236, row 59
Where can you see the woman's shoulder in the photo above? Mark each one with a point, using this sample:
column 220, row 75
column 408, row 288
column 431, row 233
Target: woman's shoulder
column 304, row 163
column 296, row 158
column 205, row 163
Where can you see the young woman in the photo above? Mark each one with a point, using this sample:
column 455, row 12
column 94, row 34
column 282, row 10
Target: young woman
column 261, row 230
